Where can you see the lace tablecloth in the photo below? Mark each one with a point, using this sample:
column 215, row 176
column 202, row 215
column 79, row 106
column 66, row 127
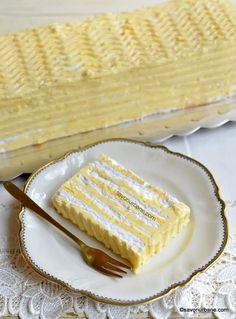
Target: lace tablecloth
column 25, row 293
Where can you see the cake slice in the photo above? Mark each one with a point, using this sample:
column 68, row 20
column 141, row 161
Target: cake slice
column 111, row 203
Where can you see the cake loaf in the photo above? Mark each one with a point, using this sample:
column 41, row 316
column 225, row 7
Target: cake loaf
column 111, row 203
column 64, row 79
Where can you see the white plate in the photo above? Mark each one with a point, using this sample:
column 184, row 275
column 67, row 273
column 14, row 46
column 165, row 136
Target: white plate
column 193, row 250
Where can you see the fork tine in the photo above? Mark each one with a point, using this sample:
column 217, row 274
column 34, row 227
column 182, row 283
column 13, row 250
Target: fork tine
column 118, row 263
column 110, row 273
column 112, row 267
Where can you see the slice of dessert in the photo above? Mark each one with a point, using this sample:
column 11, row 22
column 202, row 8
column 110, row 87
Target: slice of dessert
column 111, row 203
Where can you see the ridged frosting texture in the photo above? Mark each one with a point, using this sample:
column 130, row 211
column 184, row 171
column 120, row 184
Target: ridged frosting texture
column 59, row 80
column 111, row 203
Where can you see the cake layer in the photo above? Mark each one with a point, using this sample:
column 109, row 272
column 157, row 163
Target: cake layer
column 114, row 205
column 61, row 79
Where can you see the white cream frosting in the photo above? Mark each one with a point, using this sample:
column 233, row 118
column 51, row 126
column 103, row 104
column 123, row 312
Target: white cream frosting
column 107, row 209
column 139, row 188
column 145, row 207
column 101, row 205
column 130, row 239
column 121, row 203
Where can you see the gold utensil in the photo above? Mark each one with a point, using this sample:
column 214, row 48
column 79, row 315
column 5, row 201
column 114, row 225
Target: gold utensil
column 92, row 256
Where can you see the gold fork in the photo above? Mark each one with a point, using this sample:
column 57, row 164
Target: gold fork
column 92, row 256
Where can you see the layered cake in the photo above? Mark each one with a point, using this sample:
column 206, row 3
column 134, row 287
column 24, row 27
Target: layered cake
column 128, row 215
column 62, row 79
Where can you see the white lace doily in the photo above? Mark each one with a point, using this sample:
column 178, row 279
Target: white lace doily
column 25, row 293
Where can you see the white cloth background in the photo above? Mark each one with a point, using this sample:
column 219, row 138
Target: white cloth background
column 23, row 292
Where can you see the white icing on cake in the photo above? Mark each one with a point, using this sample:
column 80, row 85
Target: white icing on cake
column 114, row 186
column 139, row 188
column 122, row 204
column 130, row 239
column 101, row 205
column 111, row 212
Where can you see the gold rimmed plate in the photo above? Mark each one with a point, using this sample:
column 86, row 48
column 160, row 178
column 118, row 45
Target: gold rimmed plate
column 192, row 251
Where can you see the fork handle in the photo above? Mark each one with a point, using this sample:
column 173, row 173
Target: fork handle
column 24, row 199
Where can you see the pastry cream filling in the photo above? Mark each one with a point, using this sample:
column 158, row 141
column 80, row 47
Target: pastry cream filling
column 126, row 196
column 117, row 212
column 122, row 204
column 127, row 237
column 102, row 205
column 108, row 210
column 65, row 79
column 120, row 176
